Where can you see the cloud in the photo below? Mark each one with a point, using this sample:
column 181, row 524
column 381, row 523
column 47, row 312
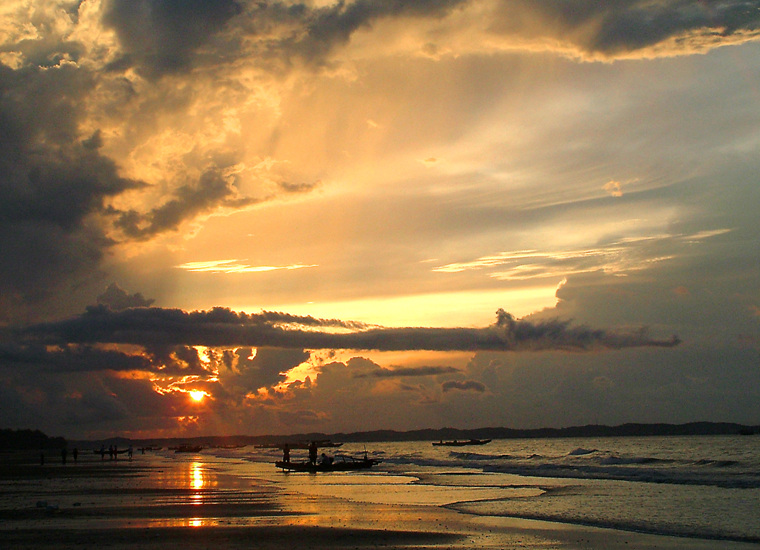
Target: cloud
column 212, row 192
column 263, row 367
column 166, row 36
column 70, row 359
column 404, row 372
column 106, row 140
column 235, row 266
column 463, row 385
column 223, row 327
column 619, row 256
column 117, row 298
column 54, row 185
column 613, row 188
column 619, row 29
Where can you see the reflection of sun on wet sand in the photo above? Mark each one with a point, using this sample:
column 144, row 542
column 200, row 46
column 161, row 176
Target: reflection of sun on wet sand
column 155, row 502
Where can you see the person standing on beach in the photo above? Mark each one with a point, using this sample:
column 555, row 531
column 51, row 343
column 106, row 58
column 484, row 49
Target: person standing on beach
column 75, row 453
column 313, row 452
column 286, row 453
column 64, row 452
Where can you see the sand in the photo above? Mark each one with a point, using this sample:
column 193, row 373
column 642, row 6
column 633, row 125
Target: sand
column 153, row 502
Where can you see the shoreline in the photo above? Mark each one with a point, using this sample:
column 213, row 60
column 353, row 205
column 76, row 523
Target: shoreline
column 153, row 501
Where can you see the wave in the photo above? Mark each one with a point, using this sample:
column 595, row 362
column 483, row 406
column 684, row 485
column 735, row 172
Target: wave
column 580, row 451
column 621, row 525
column 616, row 460
column 594, row 463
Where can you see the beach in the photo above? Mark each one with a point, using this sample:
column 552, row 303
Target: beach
column 212, row 501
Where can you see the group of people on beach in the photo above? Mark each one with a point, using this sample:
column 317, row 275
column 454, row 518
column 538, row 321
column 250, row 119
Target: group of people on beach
column 324, row 459
column 64, row 455
column 113, row 452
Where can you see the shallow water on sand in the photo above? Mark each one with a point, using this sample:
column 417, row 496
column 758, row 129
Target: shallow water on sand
column 700, row 487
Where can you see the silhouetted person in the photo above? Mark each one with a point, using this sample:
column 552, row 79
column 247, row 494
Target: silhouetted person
column 129, row 452
column 42, row 458
column 286, row 453
column 313, row 452
column 75, row 453
column 64, row 452
column 102, row 452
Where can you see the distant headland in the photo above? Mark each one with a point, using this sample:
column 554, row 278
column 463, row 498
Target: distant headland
column 34, row 439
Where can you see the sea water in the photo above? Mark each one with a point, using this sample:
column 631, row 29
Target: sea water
column 702, row 487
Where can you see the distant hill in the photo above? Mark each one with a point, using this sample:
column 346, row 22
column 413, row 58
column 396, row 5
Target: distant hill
column 591, row 430
column 28, row 439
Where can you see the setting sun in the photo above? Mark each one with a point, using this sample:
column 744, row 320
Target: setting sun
column 197, row 395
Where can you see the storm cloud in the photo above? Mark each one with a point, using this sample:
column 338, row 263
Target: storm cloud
column 165, row 36
column 53, row 185
column 223, row 327
column 162, row 36
column 59, row 91
column 463, row 385
column 427, row 161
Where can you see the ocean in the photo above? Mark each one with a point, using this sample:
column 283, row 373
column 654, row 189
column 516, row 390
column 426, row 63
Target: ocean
column 705, row 487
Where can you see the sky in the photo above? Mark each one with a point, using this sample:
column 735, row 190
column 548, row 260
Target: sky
column 226, row 217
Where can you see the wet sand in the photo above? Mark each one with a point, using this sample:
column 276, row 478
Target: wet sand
column 151, row 502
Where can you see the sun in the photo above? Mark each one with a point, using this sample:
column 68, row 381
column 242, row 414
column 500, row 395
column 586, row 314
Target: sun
column 197, row 395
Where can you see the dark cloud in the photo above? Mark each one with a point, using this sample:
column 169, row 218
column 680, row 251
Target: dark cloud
column 162, row 37
column 463, row 385
column 75, row 358
column 278, row 317
column 51, row 184
column 212, row 191
column 176, row 361
column 165, row 36
column 620, row 26
column 635, row 25
column 117, row 298
column 171, row 36
column 332, row 26
column 403, row 372
column 55, row 183
column 264, row 368
column 223, row 327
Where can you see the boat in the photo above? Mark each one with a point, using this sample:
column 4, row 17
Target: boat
column 187, row 449
column 457, row 443
column 342, row 464
column 112, row 452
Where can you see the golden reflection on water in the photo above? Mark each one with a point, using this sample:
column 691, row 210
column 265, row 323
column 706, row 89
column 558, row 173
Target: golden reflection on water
column 197, row 483
column 197, row 475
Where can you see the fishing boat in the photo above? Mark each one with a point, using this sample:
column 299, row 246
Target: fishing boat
column 342, row 464
column 187, row 449
column 457, row 443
